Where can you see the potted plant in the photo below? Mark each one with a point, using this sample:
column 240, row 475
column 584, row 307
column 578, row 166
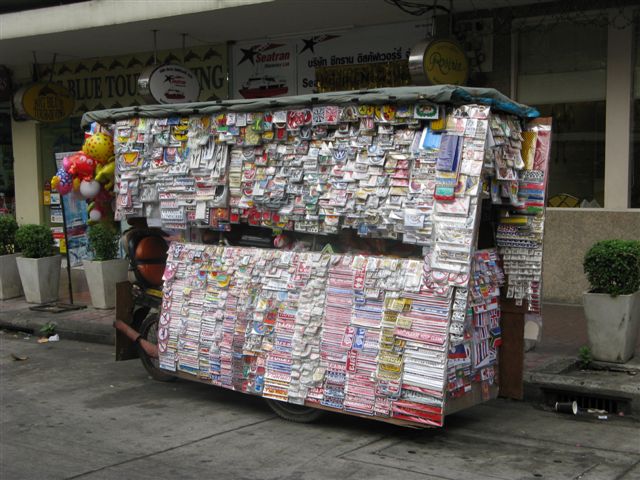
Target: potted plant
column 10, row 286
column 612, row 306
column 106, row 269
column 39, row 267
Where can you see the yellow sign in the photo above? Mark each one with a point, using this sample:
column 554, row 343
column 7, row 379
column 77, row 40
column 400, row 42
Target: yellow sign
column 439, row 62
column 44, row 102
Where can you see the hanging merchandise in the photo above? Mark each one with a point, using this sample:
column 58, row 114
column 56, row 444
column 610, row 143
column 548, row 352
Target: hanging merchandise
column 90, row 173
column 406, row 340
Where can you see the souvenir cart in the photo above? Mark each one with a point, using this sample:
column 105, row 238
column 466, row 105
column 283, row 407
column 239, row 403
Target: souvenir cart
column 389, row 217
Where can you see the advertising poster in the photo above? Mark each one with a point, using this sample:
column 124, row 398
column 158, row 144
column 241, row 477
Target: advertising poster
column 76, row 218
column 288, row 67
column 264, row 69
column 357, row 47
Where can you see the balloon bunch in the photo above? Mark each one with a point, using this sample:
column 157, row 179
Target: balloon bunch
column 90, row 172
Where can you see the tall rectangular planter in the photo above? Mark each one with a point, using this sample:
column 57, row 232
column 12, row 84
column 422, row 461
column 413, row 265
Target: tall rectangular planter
column 612, row 325
column 102, row 277
column 10, row 286
column 40, row 278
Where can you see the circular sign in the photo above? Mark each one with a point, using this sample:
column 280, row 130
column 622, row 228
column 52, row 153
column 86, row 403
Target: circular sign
column 169, row 84
column 44, row 102
column 438, row 62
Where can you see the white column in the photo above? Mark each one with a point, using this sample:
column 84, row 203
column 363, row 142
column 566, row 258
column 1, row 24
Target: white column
column 618, row 115
column 26, row 170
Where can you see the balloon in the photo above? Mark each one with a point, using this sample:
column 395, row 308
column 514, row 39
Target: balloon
column 89, row 189
column 76, row 184
column 99, row 146
column 105, row 174
column 95, row 215
column 62, row 182
column 66, row 164
column 81, row 166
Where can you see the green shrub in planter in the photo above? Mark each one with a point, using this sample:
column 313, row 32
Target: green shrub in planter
column 613, row 267
column 34, row 241
column 8, row 228
column 103, row 240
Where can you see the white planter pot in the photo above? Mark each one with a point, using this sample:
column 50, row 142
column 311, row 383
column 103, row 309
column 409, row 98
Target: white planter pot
column 10, row 286
column 102, row 278
column 612, row 325
column 40, row 278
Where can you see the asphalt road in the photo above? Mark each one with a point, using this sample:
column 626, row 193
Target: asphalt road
column 69, row 411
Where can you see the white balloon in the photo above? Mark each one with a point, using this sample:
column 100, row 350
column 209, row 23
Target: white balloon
column 95, row 215
column 89, row 189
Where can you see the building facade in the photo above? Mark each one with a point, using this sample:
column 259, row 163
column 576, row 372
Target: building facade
column 576, row 61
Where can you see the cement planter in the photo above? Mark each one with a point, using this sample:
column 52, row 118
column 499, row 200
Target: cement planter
column 612, row 325
column 40, row 278
column 102, row 277
column 10, row 286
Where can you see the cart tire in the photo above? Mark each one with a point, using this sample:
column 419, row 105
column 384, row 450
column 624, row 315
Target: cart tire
column 294, row 413
column 148, row 331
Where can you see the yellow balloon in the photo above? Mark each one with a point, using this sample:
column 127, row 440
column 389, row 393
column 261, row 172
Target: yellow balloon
column 76, row 184
column 99, row 146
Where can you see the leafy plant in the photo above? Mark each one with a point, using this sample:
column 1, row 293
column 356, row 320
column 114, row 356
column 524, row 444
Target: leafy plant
column 103, row 240
column 35, row 241
column 8, row 228
column 613, row 267
column 48, row 329
column 585, row 357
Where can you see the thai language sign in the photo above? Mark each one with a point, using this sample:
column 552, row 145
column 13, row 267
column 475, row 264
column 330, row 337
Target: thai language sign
column 288, row 67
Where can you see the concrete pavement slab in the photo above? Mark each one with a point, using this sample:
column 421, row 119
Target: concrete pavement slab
column 69, row 411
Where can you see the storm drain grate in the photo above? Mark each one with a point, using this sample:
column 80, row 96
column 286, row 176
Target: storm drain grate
column 586, row 401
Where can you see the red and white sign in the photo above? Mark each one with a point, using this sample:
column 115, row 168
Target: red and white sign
column 170, row 84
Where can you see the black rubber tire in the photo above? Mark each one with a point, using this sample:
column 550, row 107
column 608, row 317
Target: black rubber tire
column 148, row 332
column 294, row 413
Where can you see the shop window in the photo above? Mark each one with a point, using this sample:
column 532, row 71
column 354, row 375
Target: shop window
column 562, row 72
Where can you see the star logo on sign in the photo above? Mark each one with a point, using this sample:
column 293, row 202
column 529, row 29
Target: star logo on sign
column 248, row 54
column 310, row 43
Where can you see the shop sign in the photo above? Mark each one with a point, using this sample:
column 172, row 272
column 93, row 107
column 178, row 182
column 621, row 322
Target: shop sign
column 44, row 102
column 291, row 66
column 112, row 82
column 169, row 84
column 439, row 61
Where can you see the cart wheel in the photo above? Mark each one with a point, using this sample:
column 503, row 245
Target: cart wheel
column 294, row 413
column 149, row 331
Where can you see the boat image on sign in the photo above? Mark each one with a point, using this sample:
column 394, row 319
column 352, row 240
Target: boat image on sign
column 175, row 91
column 261, row 87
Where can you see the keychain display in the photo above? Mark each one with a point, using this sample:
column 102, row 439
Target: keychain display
column 520, row 161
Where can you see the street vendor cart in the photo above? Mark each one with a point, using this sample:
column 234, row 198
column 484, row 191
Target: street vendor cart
column 344, row 251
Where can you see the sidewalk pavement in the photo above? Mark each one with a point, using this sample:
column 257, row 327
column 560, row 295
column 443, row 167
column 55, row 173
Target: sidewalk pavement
column 550, row 366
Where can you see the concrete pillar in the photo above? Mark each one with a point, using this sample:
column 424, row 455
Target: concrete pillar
column 27, row 174
column 620, row 63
